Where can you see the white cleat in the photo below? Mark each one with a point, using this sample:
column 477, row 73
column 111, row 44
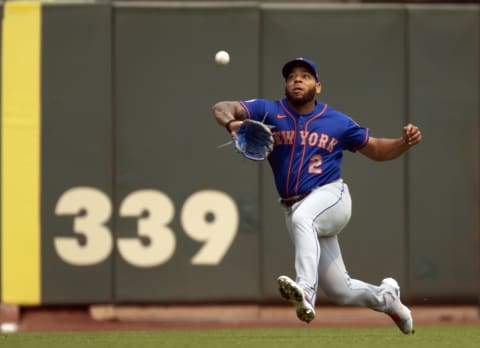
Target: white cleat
column 399, row 313
column 296, row 295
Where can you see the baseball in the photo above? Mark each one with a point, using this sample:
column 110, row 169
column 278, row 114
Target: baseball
column 222, row 58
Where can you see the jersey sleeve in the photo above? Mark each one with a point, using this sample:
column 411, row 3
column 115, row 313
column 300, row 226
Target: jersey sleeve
column 255, row 108
column 355, row 136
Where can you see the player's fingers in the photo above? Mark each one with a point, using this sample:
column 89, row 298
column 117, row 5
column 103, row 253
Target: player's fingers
column 415, row 137
column 415, row 132
column 406, row 133
column 411, row 131
column 410, row 128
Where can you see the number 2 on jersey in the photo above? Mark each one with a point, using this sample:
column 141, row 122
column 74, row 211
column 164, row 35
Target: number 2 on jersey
column 315, row 165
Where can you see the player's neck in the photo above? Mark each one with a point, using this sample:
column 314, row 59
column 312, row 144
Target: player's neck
column 303, row 109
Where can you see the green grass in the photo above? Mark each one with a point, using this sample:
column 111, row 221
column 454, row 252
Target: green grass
column 425, row 337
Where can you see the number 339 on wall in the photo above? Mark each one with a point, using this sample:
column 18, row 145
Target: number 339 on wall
column 91, row 210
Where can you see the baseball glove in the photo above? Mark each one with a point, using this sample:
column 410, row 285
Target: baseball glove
column 254, row 140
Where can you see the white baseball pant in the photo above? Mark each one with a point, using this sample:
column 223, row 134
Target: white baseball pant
column 313, row 225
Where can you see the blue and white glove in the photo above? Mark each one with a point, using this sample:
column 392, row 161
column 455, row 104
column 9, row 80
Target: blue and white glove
column 254, row 140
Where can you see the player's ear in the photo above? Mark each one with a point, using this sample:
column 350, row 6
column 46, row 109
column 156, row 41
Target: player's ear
column 319, row 87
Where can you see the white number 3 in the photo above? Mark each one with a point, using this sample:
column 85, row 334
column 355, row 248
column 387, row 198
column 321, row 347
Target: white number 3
column 91, row 209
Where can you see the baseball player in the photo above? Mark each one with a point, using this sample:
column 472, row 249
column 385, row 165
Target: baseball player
column 309, row 139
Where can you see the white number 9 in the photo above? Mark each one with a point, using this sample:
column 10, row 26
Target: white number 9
column 212, row 217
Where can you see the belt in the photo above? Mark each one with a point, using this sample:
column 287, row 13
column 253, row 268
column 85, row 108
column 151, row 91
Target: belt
column 288, row 202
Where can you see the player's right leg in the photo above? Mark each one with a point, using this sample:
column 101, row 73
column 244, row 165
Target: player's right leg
column 329, row 205
column 292, row 292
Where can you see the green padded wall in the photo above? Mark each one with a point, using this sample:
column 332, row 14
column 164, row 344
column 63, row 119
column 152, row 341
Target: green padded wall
column 444, row 173
column 76, row 154
column 166, row 143
column 138, row 202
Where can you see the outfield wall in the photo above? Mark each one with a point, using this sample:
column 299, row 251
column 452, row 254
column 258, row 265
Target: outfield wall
column 113, row 186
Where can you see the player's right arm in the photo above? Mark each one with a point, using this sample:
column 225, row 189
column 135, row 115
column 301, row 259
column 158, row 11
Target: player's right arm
column 230, row 113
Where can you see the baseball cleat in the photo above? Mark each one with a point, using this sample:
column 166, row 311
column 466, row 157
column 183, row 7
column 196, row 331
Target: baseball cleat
column 296, row 295
column 399, row 313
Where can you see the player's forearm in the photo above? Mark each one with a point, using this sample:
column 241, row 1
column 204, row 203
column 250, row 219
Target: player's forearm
column 393, row 148
column 226, row 111
column 385, row 149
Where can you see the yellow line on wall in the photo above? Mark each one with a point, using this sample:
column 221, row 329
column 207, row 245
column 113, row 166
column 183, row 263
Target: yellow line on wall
column 21, row 127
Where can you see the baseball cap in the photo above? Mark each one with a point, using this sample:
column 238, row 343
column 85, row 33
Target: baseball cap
column 310, row 65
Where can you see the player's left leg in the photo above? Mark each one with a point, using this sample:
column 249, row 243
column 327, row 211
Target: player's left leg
column 334, row 280
column 341, row 289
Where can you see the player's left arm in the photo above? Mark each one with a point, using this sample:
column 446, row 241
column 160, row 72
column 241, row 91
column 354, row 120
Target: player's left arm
column 385, row 149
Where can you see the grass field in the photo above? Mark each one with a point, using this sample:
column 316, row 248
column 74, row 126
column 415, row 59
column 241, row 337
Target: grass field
column 425, row 337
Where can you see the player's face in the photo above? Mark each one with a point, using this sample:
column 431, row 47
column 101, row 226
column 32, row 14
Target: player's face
column 301, row 86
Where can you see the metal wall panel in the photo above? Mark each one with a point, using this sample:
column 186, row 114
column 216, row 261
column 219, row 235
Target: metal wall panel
column 443, row 174
column 76, row 154
column 166, row 153
column 359, row 52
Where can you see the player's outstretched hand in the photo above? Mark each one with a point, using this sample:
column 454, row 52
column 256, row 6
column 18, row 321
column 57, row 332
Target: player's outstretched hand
column 412, row 134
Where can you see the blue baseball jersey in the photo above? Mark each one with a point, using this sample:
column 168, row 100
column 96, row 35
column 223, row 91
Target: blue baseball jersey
column 308, row 149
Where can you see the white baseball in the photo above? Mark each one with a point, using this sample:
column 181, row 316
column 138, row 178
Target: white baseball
column 222, row 57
